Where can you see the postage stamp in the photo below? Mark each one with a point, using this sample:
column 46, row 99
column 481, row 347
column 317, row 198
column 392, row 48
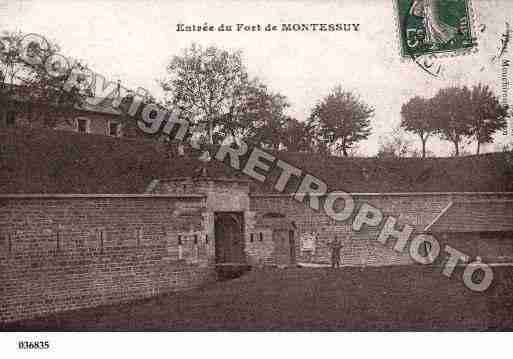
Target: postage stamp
column 435, row 27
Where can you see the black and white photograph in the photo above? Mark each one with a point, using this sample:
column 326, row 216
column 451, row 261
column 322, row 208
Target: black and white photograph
column 230, row 171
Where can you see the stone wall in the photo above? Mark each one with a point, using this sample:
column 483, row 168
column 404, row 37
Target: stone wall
column 361, row 248
column 98, row 122
column 492, row 247
column 260, row 247
column 64, row 252
column 224, row 195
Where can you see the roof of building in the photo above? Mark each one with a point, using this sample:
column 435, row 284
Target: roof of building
column 49, row 161
column 103, row 106
column 474, row 216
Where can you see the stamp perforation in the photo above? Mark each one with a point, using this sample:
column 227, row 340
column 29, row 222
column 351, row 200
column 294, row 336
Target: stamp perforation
column 473, row 19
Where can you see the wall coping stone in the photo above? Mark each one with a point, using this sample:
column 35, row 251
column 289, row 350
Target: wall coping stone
column 204, row 179
column 95, row 195
column 378, row 194
column 200, row 195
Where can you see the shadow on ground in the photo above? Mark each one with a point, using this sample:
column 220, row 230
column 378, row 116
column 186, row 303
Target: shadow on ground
column 377, row 298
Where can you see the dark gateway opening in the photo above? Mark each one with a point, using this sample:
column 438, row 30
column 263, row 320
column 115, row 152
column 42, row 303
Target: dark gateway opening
column 229, row 244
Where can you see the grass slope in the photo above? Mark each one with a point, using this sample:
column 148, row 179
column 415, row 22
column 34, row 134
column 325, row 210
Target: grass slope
column 46, row 161
column 373, row 298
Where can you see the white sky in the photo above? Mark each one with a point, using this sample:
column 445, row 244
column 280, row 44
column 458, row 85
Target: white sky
column 133, row 40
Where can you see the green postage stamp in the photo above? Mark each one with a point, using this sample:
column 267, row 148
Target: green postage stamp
column 429, row 27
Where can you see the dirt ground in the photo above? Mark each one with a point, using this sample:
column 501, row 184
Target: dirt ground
column 312, row 299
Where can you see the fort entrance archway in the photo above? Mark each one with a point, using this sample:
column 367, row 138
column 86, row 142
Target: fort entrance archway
column 229, row 238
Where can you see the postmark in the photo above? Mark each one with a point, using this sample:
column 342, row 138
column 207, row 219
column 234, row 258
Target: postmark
column 435, row 28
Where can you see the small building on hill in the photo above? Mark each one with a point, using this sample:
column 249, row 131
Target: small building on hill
column 101, row 118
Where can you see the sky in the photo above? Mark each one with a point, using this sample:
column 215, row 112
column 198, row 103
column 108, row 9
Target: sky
column 133, row 40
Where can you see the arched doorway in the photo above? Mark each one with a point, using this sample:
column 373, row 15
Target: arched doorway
column 283, row 236
column 229, row 238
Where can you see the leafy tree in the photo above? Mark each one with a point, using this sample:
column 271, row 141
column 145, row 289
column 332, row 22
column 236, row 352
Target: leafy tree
column 468, row 113
column 296, row 136
column 451, row 110
column 130, row 121
column 38, row 88
column 259, row 116
column 206, row 85
column 10, row 65
column 341, row 120
column 416, row 117
column 14, row 74
column 210, row 87
column 487, row 115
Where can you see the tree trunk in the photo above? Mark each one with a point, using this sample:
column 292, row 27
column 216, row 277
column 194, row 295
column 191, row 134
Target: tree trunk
column 344, row 151
column 424, row 147
column 478, row 147
column 210, row 132
column 456, row 148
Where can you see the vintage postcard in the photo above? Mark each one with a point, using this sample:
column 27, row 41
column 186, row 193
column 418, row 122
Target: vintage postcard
column 256, row 165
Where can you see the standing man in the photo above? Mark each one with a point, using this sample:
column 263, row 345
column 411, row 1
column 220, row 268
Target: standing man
column 335, row 247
